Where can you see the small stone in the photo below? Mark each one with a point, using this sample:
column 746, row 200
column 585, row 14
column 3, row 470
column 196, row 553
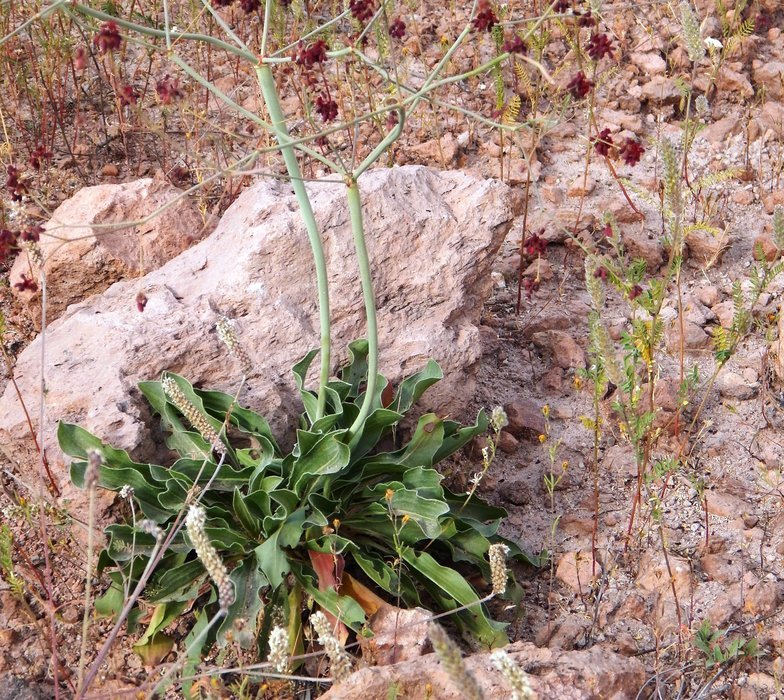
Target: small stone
column 744, row 197
column 726, row 605
column 717, row 132
column 725, row 505
column 626, row 644
column 541, row 269
column 725, row 311
column 514, row 492
column 576, row 524
column 772, row 117
column 661, row 90
column 564, row 350
column 694, row 337
column 734, row 81
column 721, row 568
column 733, row 386
column 645, row 245
column 507, row 443
column 110, row 170
column 525, row 419
column 582, row 187
column 436, row 152
column 769, row 74
column 707, row 295
column 764, row 243
column 553, row 379
column 706, row 248
column 650, row 63
column 398, row 635
column 552, row 194
column 764, row 598
column 576, row 570
column 750, row 520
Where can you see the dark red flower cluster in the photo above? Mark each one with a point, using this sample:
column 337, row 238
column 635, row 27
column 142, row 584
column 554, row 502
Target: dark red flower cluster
column 221, row 3
column 631, row 151
column 26, row 284
column 8, row 243
column 313, row 53
column 127, row 95
column 168, row 89
column 32, row 234
column 530, row 284
column 108, row 37
column 14, row 185
column 635, row 291
column 579, row 85
column 485, row 18
column 600, row 273
column 535, row 245
column 397, row 30
column 327, row 108
column 38, row 156
column 362, row 10
column 249, row 6
column 599, row 46
column 762, row 22
column 586, row 19
column 603, row 143
column 515, row 45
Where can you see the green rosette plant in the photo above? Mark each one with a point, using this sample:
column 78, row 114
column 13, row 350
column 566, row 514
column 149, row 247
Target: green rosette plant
column 295, row 525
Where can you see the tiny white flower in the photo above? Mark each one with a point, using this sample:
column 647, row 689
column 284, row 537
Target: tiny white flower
column 498, row 418
column 712, row 43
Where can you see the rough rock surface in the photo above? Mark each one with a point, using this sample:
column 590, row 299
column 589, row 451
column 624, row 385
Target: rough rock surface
column 96, row 254
column 432, row 239
column 564, row 675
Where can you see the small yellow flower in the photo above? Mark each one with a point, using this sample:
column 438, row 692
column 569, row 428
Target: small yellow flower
column 546, row 410
column 388, row 495
column 543, row 438
column 565, row 464
column 578, row 383
column 406, row 518
column 336, row 523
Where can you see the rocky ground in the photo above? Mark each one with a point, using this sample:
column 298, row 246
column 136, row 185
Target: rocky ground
column 617, row 611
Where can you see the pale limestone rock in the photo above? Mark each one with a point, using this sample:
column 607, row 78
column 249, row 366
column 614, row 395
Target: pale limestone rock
column 661, row 89
column 432, row 239
column 772, row 117
column 734, row 81
column 84, row 254
column 770, row 75
column 732, row 385
column 650, row 63
column 716, row 133
column 591, row 674
column 645, row 245
column 398, row 635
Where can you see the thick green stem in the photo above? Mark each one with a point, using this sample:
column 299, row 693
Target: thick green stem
column 358, row 232
column 270, row 94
